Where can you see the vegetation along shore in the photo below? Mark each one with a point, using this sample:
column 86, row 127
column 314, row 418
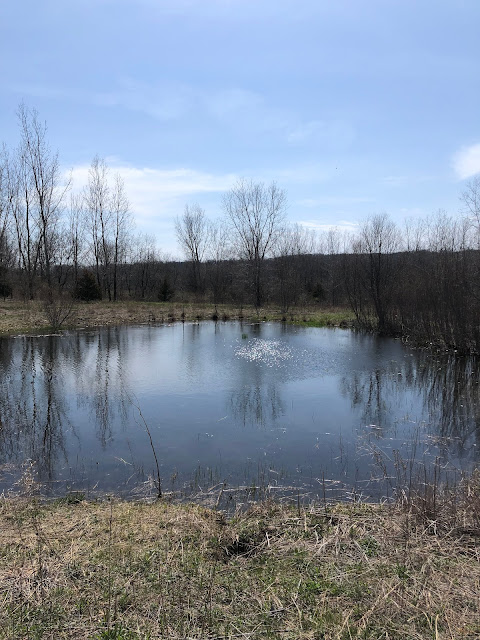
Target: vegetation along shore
column 32, row 316
column 125, row 570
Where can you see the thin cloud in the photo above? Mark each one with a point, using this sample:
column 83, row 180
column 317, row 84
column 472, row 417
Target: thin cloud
column 155, row 193
column 306, row 131
column 466, row 161
column 334, row 133
column 341, row 225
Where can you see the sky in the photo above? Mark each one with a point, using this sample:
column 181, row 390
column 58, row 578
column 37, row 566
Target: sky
column 354, row 107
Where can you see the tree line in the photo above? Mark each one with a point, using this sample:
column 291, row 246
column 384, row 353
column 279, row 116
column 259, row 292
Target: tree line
column 419, row 281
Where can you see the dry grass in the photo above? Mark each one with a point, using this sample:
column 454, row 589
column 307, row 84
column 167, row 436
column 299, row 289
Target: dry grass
column 128, row 570
column 22, row 317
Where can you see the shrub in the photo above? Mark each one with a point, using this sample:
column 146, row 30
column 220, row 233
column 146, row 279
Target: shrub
column 87, row 288
column 166, row 291
column 5, row 290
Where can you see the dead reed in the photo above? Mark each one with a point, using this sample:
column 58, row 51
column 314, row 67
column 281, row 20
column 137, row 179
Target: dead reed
column 124, row 570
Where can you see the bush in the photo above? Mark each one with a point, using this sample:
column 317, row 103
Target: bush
column 166, row 291
column 87, row 288
column 5, row 290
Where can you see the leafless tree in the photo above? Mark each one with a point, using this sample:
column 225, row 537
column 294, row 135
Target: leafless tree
column 370, row 272
column 193, row 231
column 6, row 253
column 380, row 239
column 98, row 220
column 144, row 258
column 108, row 222
column 218, row 260
column 293, row 243
column 255, row 213
column 42, row 189
column 471, row 198
column 21, row 204
column 334, row 244
column 70, row 243
column 76, row 234
column 122, row 222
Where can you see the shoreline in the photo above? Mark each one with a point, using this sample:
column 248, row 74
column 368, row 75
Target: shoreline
column 18, row 318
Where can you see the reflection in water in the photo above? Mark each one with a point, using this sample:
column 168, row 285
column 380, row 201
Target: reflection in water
column 450, row 399
column 35, row 412
column 230, row 397
column 256, row 405
column 32, row 406
column 256, row 400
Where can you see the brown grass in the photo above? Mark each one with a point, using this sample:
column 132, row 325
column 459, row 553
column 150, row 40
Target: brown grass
column 24, row 317
column 129, row 570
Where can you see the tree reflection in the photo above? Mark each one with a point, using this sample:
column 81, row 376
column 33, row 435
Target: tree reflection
column 447, row 391
column 451, row 389
column 33, row 414
column 36, row 389
column 257, row 405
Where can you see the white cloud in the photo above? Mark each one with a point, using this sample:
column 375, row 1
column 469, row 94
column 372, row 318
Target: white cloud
column 157, row 196
column 466, row 161
column 341, row 225
column 159, row 192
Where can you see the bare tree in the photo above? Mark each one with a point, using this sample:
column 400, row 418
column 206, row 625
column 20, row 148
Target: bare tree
column 41, row 177
column 21, row 204
column 98, row 220
column 379, row 240
column 193, row 231
column 471, row 200
column 255, row 213
column 107, row 221
column 292, row 245
column 6, row 253
column 75, row 234
column 335, row 241
column 218, row 260
column 121, row 219
column 371, row 272
column 144, row 257
column 71, row 243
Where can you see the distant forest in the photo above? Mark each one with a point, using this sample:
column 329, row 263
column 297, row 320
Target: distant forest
column 420, row 282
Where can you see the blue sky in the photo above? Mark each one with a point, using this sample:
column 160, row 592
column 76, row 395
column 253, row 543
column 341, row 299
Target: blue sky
column 354, row 107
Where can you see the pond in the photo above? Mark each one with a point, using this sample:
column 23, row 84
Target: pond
column 268, row 407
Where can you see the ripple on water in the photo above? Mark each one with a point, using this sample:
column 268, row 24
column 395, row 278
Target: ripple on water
column 272, row 353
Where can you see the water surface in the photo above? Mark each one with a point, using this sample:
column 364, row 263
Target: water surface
column 254, row 405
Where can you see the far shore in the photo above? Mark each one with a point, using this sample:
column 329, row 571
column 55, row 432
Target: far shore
column 18, row 317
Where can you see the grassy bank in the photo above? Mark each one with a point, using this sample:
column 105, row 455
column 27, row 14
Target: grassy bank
column 120, row 570
column 24, row 317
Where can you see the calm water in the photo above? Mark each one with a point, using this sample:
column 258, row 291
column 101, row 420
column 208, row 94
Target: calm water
column 264, row 404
